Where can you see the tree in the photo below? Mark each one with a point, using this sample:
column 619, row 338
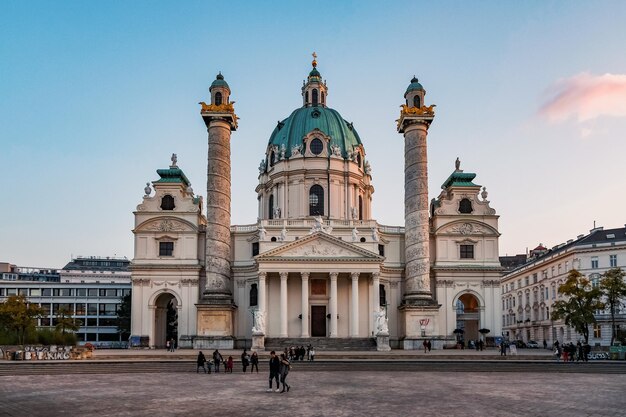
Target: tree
column 613, row 288
column 18, row 315
column 123, row 316
column 65, row 321
column 582, row 301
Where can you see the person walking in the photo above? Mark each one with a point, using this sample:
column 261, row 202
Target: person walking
column 285, row 366
column 274, row 371
column 502, row 348
column 201, row 361
column 245, row 360
column 254, row 360
column 429, row 345
column 308, row 352
column 312, row 353
column 425, row 344
column 229, row 365
column 217, row 359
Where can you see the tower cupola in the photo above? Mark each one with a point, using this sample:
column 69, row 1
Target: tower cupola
column 220, row 91
column 314, row 90
column 414, row 94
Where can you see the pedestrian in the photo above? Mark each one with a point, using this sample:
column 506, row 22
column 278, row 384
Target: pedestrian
column 312, row 353
column 308, row 352
column 581, row 352
column 285, row 366
column 545, row 344
column 229, row 365
column 557, row 352
column 167, row 345
column 502, row 348
column 172, row 345
column 217, row 359
column 425, row 344
column 274, row 371
column 429, row 345
column 565, row 353
column 201, row 362
column 254, row 360
column 587, row 351
column 245, row 360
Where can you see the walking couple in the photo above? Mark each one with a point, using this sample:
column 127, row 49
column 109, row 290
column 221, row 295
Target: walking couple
column 279, row 366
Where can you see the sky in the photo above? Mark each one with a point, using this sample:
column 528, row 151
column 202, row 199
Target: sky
column 95, row 96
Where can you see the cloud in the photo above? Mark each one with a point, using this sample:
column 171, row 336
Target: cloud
column 585, row 97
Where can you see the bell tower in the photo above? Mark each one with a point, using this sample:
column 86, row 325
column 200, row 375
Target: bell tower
column 314, row 90
column 420, row 309
column 215, row 307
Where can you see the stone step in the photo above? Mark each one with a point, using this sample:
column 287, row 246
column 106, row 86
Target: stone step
column 322, row 343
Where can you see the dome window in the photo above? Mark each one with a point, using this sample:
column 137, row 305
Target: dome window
column 218, row 99
column 167, row 202
column 315, row 94
column 416, row 102
column 316, row 200
column 316, row 146
column 465, row 206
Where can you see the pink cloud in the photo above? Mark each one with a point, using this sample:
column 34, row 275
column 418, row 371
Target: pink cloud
column 585, row 97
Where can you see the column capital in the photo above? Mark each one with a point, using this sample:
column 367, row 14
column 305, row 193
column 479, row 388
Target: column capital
column 355, row 275
column 283, row 275
column 333, row 276
column 375, row 275
column 305, row 275
column 262, row 275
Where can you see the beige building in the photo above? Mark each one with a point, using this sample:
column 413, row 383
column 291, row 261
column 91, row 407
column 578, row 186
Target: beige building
column 529, row 290
column 315, row 266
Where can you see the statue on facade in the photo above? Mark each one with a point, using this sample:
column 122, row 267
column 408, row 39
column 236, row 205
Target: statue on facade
column 277, row 212
column 296, row 150
column 484, row 194
column 317, row 225
column 355, row 213
column 262, row 166
column 283, row 234
column 174, row 159
column 283, row 151
column 368, row 168
column 147, row 190
column 189, row 190
column 355, row 235
column 382, row 325
column 259, row 322
column 336, row 150
column 262, row 233
column 457, row 164
column 375, row 236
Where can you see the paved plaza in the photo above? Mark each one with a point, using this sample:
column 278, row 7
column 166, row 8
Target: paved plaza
column 356, row 393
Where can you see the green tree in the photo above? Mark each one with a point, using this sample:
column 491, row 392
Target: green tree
column 123, row 316
column 578, row 309
column 613, row 289
column 19, row 316
column 66, row 322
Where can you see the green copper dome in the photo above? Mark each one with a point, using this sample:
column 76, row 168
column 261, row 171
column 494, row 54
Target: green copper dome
column 302, row 121
column 219, row 82
column 415, row 85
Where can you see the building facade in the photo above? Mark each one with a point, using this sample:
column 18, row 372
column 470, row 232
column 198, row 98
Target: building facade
column 316, row 263
column 529, row 290
column 90, row 288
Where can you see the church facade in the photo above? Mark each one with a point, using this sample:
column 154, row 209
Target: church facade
column 315, row 265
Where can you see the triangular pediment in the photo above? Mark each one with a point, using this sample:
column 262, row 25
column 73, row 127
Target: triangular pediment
column 320, row 246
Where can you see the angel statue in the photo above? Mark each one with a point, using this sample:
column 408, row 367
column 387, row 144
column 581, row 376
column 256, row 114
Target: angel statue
column 259, row 322
column 381, row 322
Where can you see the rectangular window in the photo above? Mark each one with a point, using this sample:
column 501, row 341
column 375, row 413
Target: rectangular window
column 547, row 295
column 255, row 248
column 519, row 283
column 613, row 261
column 81, row 309
column 108, row 309
column 35, row 292
column 91, row 322
column 1, row 292
column 166, row 248
column 467, row 251
column 92, row 309
column 108, row 322
column 526, row 281
column 45, row 322
column 46, row 309
column 381, row 250
column 92, row 292
column 81, row 292
column 23, row 291
column 597, row 331
column 46, row 292
column 11, row 291
column 91, row 337
column 534, row 278
column 594, row 262
column 553, row 292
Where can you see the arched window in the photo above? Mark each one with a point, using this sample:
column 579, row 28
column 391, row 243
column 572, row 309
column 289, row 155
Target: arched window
column 272, row 156
column 416, row 102
column 167, row 202
column 465, row 206
column 270, row 206
column 218, row 99
column 314, row 93
column 316, row 146
column 323, row 98
column 358, row 159
column 254, row 295
column 360, row 208
column 382, row 295
column 316, row 200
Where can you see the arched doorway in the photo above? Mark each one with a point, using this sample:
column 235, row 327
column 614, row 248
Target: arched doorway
column 468, row 316
column 165, row 319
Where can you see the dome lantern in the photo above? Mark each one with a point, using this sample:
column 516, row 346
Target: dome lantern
column 314, row 90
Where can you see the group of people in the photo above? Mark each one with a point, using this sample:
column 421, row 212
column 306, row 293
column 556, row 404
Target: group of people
column 217, row 360
column 279, row 368
column 569, row 352
column 295, row 353
column 170, row 345
column 427, row 346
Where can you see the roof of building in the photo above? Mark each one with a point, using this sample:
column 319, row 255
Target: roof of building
column 595, row 236
column 460, row 179
column 302, row 121
column 98, row 264
column 415, row 85
column 172, row 174
column 219, row 82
